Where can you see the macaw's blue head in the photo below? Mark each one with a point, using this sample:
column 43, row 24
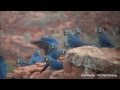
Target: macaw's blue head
column 53, row 46
column 66, row 32
column 98, row 29
column 2, row 59
column 46, row 58
column 37, row 53
column 77, row 31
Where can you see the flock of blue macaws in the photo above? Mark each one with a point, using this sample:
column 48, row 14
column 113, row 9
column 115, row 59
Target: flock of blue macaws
column 52, row 53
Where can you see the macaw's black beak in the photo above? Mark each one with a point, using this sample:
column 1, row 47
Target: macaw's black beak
column 35, row 42
column 64, row 34
column 45, row 67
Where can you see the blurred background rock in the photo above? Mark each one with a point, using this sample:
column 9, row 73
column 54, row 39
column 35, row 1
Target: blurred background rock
column 18, row 28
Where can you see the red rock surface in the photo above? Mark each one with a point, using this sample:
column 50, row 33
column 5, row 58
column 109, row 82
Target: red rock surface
column 98, row 57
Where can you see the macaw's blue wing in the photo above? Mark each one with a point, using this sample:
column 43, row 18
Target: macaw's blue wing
column 49, row 39
column 76, row 42
column 3, row 68
column 77, row 36
column 22, row 62
column 35, row 59
column 55, row 54
column 42, row 44
column 105, row 41
column 82, row 43
column 54, row 64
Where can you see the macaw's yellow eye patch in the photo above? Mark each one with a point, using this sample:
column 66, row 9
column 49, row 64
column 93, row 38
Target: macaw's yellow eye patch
column 78, row 31
column 66, row 33
column 46, row 59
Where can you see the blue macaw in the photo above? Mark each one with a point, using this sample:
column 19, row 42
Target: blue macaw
column 54, row 64
column 50, row 46
column 72, row 41
column 44, row 43
column 54, row 52
column 22, row 62
column 3, row 68
column 103, row 38
column 36, row 57
column 77, row 33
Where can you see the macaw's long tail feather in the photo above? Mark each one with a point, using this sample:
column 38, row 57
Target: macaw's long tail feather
column 45, row 67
